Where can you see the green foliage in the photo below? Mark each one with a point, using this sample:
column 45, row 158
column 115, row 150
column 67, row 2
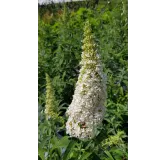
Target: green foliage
column 59, row 56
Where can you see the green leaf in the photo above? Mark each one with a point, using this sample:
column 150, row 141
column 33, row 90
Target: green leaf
column 118, row 152
column 57, row 143
column 121, row 91
column 63, row 142
column 85, row 155
column 109, row 155
column 69, row 150
column 41, row 153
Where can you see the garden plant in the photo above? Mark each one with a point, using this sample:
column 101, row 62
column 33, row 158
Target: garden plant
column 83, row 81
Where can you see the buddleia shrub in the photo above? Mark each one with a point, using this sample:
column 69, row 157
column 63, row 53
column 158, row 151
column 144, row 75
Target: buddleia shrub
column 60, row 55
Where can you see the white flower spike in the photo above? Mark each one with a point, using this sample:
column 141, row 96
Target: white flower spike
column 86, row 111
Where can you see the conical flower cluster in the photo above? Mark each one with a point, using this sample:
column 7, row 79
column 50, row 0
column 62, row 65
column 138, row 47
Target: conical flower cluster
column 50, row 107
column 86, row 111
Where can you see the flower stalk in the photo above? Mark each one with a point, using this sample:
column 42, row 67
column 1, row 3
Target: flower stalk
column 51, row 106
column 86, row 111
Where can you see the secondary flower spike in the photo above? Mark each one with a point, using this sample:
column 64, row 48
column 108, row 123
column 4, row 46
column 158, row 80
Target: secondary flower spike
column 86, row 112
column 50, row 108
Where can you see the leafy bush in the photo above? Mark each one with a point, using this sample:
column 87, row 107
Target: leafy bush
column 59, row 56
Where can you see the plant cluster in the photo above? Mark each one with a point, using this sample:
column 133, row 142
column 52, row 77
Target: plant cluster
column 60, row 47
